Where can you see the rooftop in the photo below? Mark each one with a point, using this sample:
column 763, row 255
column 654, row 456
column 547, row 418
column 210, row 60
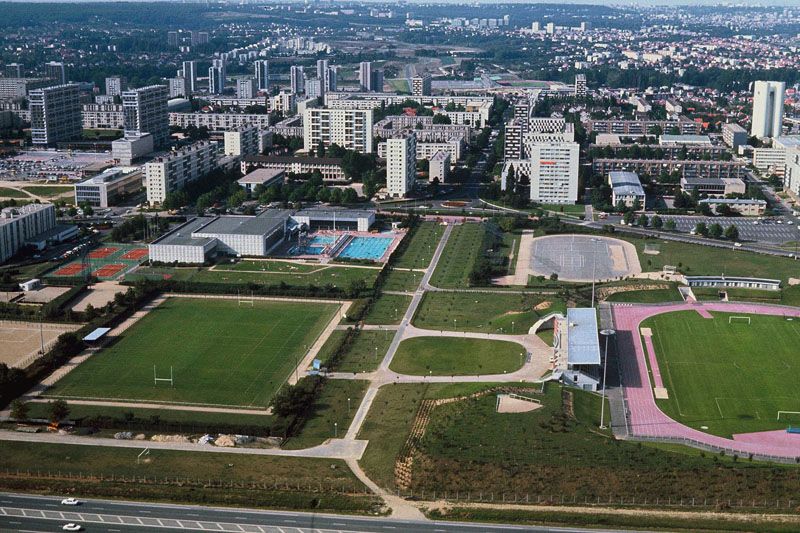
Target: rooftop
column 582, row 340
column 684, row 139
column 263, row 224
column 626, row 183
column 261, row 175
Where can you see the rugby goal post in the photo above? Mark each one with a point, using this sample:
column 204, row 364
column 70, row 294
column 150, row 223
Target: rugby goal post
column 169, row 380
column 243, row 300
column 731, row 319
column 796, row 413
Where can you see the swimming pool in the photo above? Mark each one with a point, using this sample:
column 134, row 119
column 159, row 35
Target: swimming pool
column 371, row 248
column 316, row 246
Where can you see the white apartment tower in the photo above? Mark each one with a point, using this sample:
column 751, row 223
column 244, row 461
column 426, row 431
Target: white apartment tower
column 349, row 128
column 216, row 76
column 246, row 87
column 115, row 85
column 262, row 74
column 767, row 109
column 242, row 141
column 421, row 85
column 401, row 164
column 55, row 114
column 190, row 75
column 177, row 87
column 145, row 111
column 365, row 75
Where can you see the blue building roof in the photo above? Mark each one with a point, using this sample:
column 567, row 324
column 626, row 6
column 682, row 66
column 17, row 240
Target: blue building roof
column 583, row 344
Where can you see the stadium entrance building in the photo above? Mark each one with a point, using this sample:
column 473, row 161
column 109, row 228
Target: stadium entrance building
column 576, row 349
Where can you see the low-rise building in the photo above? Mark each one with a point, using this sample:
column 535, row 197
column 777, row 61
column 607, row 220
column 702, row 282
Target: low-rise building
column 714, row 186
column 132, row 148
column 576, row 347
column 106, row 188
column 261, row 176
column 734, row 135
column 329, row 167
column 626, row 188
column 748, row 207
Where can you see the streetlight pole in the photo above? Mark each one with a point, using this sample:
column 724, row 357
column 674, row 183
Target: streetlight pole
column 348, row 407
column 605, row 333
column 594, row 265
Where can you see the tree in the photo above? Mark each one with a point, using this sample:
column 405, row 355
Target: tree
column 553, row 277
column 627, row 218
column 19, row 409
column 732, row 232
column 441, row 119
column 701, row 229
column 320, row 149
column 715, row 231
column 637, row 205
column 657, row 222
column 670, row 225
column 59, row 410
column 642, row 220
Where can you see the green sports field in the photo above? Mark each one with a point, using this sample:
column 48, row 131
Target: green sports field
column 729, row 377
column 221, row 353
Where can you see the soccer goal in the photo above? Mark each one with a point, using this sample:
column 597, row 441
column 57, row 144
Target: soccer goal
column 244, row 300
column 732, row 319
column 789, row 416
column 169, row 380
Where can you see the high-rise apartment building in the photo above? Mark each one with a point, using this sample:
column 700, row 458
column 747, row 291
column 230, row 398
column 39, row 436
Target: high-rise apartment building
column 145, row 111
column 115, row 85
column 216, row 77
column 177, row 87
column 315, row 88
column 12, row 70
column 297, row 79
column 242, row 141
column 246, row 87
column 262, row 75
column 365, row 75
column 421, row 85
column 190, row 75
column 55, row 114
column 580, row 85
column 348, row 128
column 767, row 109
column 173, row 171
column 401, row 164
column 172, row 38
column 20, row 224
column 56, row 70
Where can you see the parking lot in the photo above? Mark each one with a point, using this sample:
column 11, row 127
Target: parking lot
column 750, row 229
column 50, row 165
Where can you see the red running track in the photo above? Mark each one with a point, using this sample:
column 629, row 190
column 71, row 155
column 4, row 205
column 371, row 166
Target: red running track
column 646, row 419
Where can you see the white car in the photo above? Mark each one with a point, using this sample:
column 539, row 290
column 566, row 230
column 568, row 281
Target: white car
column 70, row 501
column 71, row 527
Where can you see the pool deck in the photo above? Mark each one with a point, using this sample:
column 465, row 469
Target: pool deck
column 396, row 237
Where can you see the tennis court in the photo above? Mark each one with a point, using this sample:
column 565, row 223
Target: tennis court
column 105, row 262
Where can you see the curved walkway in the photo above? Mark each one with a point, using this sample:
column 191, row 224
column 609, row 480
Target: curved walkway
column 646, row 420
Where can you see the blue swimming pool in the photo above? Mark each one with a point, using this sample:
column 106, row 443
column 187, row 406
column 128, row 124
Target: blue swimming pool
column 371, row 248
column 315, row 246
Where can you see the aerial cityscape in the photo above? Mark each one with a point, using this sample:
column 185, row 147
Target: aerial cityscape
column 320, row 265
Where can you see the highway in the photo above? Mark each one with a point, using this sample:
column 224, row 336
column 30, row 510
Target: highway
column 19, row 512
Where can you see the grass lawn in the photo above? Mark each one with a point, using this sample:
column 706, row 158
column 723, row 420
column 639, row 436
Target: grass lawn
column 468, row 446
column 6, row 192
column 694, row 260
column 318, row 275
column 330, row 407
column 48, row 190
column 188, row 474
column 464, row 247
column 222, row 354
column 646, row 296
column 453, row 356
column 399, row 85
column 388, row 309
column 402, row 280
column 419, row 252
column 364, row 354
column 483, row 312
column 732, row 378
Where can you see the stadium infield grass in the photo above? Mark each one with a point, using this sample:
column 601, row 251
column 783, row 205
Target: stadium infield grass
column 728, row 377
column 221, row 353
column 455, row 356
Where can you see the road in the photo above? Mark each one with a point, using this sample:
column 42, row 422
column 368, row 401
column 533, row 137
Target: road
column 39, row 513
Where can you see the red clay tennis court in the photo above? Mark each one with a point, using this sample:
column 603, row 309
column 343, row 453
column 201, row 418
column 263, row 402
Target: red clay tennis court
column 135, row 254
column 106, row 271
column 72, row 269
column 102, row 253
